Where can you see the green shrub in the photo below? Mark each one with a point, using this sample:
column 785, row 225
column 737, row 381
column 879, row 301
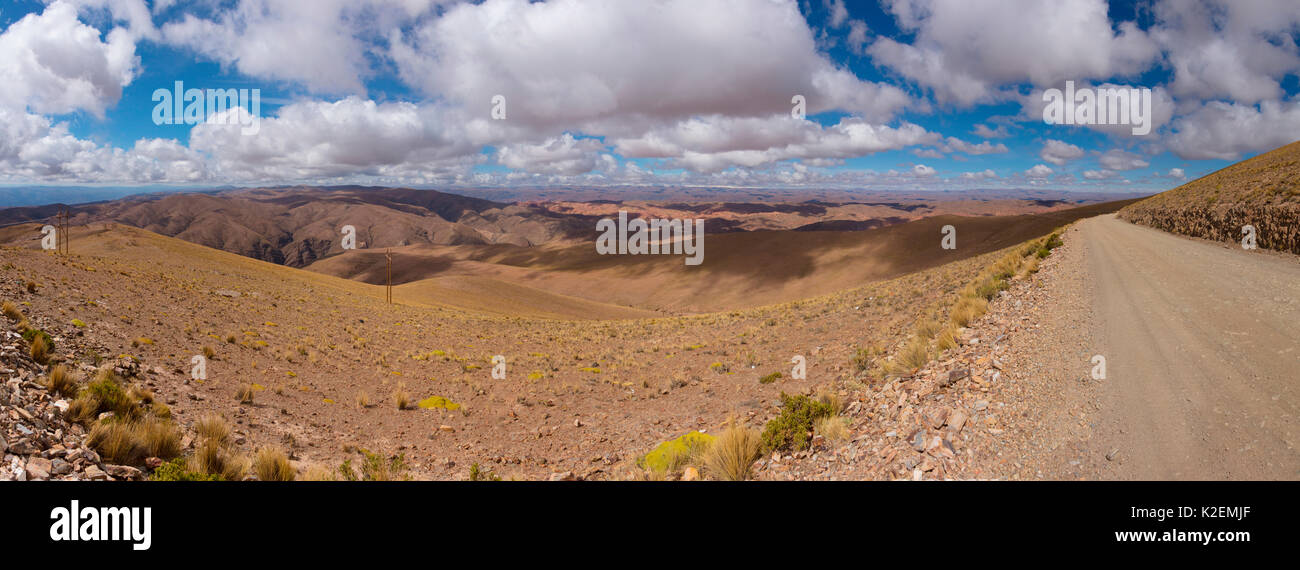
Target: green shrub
column 175, row 470
column 770, row 378
column 674, row 454
column 477, row 473
column 790, row 429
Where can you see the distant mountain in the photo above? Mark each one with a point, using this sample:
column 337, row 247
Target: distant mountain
column 14, row 196
column 298, row 226
column 1263, row 192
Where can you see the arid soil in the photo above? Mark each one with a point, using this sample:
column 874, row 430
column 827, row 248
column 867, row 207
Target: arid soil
column 580, row 397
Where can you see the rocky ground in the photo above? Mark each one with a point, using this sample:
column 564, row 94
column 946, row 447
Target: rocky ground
column 36, row 441
column 990, row 408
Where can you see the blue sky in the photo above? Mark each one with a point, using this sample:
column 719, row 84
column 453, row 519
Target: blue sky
column 909, row 94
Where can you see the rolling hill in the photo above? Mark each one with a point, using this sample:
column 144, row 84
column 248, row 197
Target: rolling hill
column 1263, row 192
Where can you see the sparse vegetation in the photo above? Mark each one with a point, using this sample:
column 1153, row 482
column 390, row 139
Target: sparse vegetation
column 271, row 464
column 245, row 394
column 791, row 429
column 11, row 311
column 731, row 456
column 672, row 455
column 61, row 382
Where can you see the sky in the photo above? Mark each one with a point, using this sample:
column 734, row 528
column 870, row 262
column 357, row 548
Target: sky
column 894, row 94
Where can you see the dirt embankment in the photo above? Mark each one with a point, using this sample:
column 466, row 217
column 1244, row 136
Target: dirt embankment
column 1262, row 192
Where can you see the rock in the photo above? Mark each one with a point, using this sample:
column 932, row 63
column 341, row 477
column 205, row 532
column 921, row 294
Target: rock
column 62, row 405
column 1110, row 455
column 153, row 462
column 4, row 445
column 918, row 440
column 447, row 429
column 980, row 405
column 124, row 472
column 226, row 293
column 94, row 473
column 818, row 441
column 564, row 476
column 957, row 420
column 38, row 468
column 60, row 467
column 690, row 474
column 937, row 417
column 955, row 375
column 577, row 423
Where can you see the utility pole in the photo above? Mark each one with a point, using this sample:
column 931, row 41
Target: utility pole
column 389, row 256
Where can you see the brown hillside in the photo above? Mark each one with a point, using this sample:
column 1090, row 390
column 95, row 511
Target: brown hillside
column 1263, row 191
column 744, row 269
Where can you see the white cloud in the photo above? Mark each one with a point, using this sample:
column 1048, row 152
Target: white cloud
column 314, row 140
column 1039, row 171
column 52, row 63
column 618, row 68
column 1059, row 152
column 1221, row 49
column 965, row 52
column 983, row 131
column 954, row 144
column 1116, row 159
column 1177, row 174
column 321, row 44
column 986, row 174
column 710, row 144
column 559, row 155
column 1218, row 130
column 923, row 170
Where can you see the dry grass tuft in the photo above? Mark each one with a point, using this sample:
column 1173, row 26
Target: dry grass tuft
column 212, row 428
column 732, row 455
column 317, row 472
column 40, row 350
column 363, row 399
column 245, row 394
column 401, row 398
column 12, row 312
column 271, row 464
column 833, row 428
column 61, row 382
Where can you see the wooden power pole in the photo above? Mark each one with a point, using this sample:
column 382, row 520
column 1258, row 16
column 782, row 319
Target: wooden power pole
column 389, row 256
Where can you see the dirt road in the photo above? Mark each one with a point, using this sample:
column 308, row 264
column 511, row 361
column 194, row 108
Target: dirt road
column 1202, row 348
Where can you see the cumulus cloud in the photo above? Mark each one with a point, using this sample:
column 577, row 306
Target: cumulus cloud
column 1059, row 152
column 32, row 147
column 965, row 52
column 1039, row 171
column 986, row 174
column 615, row 68
column 313, row 140
column 1116, row 159
column 558, row 155
column 1222, row 49
column 953, row 144
column 717, row 142
column 51, row 63
column 984, row 131
column 322, row 44
column 1227, row 130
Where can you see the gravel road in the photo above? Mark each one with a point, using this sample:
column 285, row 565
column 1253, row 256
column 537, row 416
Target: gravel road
column 1202, row 349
